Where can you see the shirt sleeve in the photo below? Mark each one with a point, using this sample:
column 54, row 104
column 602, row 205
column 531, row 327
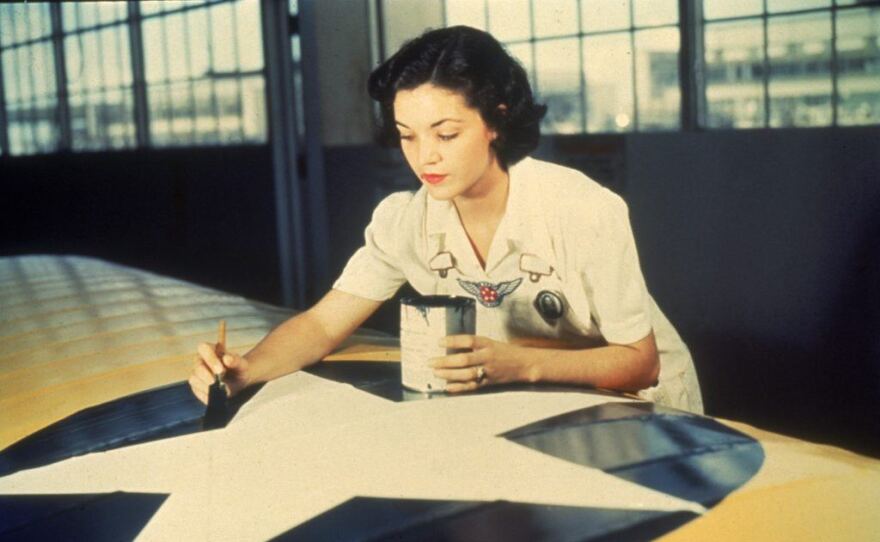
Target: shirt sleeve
column 374, row 271
column 612, row 275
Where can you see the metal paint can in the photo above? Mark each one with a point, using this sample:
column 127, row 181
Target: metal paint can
column 424, row 320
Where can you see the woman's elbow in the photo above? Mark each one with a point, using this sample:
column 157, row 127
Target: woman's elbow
column 646, row 371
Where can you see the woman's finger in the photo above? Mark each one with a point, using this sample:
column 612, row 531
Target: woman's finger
column 468, row 374
column 454, row 361
column 204, row 375
column 463, row 341
column 198, row 389
column 459, row 387
column 206, row 350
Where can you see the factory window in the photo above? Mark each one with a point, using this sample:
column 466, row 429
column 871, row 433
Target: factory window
column 600, row 66
column 791, row 63
column 108, row 75
column 99, row 75
column 29, row 92
column 204, row 72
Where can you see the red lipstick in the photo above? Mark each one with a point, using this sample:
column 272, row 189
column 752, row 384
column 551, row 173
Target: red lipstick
column 433, row 178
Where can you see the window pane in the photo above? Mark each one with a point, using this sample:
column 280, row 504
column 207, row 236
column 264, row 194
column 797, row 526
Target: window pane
column 86, row 15
column 154, row 50
column 599, row 15
column 249, row 37
column 39, row 19
column 735, row 74
column 222, row 38
column 655, row 12
column 559, row 84
column 206, row 121
column 200, row 52
column 23, row 74
column 509, row 19
column 149, row 7
column 197, row 42
column 800, row 70
column 608, row 72
column 43, row 69
column 253, row 109
column 718, row 9
column 230, row 115
column 117, row 68
column 175, row 36
column 10, row 76
column 7, row 24
column 777, row 6
column 523, row 53
column 160, row 115
column 858, row 63
column 467, row 12
column 658, row 97
column 555, row 18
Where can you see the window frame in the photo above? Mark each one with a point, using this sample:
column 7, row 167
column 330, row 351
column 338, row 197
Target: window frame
column 138, row 86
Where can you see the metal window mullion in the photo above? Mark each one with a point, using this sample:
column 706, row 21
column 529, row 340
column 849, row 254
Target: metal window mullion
column 238, row 83
column 766, row 81
column 691, row 65
column 102, row 94
column 138, row 81
column 117, row 55
column 4, row 119
column 581, row 70
column 632, row 47
column 189, row 68
column 835, row 90
column 169, row 114
column 215, row 107
column 20, row 99
column 63, row 104
column 31, row 100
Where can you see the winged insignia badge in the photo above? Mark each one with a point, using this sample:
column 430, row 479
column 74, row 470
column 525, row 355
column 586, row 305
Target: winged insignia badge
column 488, row 294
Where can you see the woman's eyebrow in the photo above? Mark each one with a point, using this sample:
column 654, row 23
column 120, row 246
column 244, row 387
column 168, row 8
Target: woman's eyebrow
column 433, row 125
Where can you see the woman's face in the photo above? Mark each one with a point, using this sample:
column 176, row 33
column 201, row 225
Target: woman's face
column 446, row 142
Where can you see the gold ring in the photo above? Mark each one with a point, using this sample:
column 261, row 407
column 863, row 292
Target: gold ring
column 481, row 374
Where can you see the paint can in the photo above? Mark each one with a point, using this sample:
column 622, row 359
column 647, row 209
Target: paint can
column 424, row 320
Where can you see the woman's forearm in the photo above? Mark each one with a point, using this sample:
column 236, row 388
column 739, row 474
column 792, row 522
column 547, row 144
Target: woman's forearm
column 628, row 367
column 297, row 343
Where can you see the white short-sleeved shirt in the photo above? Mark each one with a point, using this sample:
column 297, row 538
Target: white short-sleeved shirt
column 564, row 239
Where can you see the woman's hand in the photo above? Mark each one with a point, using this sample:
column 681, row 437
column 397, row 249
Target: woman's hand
column 234, row 371
column 489, row 362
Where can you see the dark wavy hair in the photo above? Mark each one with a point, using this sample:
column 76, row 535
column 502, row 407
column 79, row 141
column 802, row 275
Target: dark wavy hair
column 473, row 63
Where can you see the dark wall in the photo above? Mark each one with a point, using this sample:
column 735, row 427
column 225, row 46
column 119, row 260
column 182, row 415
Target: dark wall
column 762, row 247
column 205, row 215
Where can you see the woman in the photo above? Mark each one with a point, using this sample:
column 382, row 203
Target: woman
column 547, row 252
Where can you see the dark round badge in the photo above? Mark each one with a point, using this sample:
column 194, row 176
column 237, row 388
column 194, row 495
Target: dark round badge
column 549, row 305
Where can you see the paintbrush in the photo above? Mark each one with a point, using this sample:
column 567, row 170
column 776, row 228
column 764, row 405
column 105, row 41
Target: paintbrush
column 217, row 413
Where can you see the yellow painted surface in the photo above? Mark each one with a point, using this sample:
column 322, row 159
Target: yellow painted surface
column 79, row 332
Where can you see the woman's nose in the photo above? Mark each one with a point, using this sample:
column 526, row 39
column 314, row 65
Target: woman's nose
column 428, row 154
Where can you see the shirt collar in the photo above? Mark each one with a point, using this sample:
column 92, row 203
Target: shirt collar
column 521, row 229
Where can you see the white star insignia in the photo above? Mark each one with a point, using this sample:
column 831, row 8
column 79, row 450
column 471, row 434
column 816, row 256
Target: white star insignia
column 304, row 445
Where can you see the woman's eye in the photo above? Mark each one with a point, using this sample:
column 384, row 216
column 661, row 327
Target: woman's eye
column 406, row 137
column 447, row 137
